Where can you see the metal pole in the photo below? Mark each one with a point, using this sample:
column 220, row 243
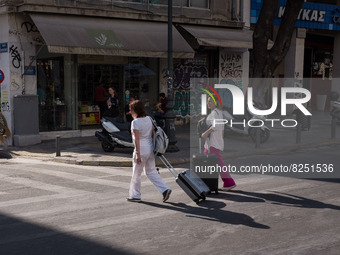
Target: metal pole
column 257, row 137
column 5, row 142
column 333, row 129
column 57, row 145
column 298, row 133
column 169, row 115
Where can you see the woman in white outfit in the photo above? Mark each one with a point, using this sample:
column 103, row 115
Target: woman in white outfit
column 143, row 158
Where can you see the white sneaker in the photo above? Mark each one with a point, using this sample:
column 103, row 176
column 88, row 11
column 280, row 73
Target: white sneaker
column 228, row 188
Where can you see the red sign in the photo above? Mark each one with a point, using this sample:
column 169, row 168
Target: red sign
column 2, row 76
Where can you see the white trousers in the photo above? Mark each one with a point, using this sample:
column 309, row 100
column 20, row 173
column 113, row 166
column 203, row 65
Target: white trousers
column 149, row 167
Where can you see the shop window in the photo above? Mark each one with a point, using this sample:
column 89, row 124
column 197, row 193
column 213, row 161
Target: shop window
column 90, row 76
column 137, row 78
column 322, row 65
column 51, row 94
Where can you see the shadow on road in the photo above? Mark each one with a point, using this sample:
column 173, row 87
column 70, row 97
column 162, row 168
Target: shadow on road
column 278, row 198
column 211, row 211
column 22, row 237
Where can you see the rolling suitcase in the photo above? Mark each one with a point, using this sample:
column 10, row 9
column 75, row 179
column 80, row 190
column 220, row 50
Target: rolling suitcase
column 204, row 167
column 205, row 162
column 191, row 184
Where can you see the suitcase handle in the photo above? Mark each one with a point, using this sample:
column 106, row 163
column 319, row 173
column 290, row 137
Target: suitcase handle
column 168, row 165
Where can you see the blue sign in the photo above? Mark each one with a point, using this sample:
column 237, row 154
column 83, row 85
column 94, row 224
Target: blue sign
column 29, row 70
column 3, row 47
column 312, row 15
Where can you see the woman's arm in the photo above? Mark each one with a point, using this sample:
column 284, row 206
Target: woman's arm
column 135, row 133
column 206, row 133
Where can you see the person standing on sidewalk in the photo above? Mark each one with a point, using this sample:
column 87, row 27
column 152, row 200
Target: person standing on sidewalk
column 143, row 157
column 100, row 95
column 214, row 142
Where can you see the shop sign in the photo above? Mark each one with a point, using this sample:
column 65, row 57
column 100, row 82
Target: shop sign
column 3, row 47
column 312, row 15
column 2, row 76
column 30, row 70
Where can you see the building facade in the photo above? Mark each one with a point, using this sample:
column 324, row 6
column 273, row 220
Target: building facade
column 54, row 53
column 313, row 57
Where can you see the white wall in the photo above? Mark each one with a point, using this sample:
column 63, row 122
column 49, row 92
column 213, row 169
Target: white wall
column 4, row 67
column 22, row 36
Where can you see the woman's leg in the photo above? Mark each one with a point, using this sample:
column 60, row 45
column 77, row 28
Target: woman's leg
column 153, row 175
column 228, row 181
column 135, row 183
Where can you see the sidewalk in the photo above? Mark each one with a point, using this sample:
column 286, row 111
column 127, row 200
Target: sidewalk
column 88, row 151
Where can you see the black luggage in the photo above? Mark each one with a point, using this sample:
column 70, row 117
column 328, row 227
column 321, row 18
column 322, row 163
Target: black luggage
column 205, row 166
column 195, row 188
column 206, row 163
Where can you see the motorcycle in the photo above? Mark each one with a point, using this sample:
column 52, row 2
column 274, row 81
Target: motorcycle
column 115, row 133
column 240, row 123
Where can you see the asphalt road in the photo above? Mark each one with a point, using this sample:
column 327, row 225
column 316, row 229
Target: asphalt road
column 51, row 208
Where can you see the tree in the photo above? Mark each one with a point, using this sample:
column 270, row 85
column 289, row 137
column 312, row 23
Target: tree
column 266, row 61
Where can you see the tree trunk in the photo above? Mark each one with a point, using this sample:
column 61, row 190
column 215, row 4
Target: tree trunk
column 266, row 61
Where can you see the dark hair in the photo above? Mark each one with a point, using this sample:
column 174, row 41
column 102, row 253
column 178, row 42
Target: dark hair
column 114, row 90
column 162, row 94
column 138, row 107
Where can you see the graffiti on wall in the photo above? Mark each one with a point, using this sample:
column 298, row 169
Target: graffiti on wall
column 230, row 72
column 187, row 103
column 30, row 27
column 231, row 65
column 183, row 74
column 16, row 58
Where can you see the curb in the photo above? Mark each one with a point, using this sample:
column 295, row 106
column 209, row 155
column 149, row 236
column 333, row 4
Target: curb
column 180, row 161
column 159, row 163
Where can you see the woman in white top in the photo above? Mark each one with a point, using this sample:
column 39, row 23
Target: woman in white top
column 143, row 157
column 214, row 142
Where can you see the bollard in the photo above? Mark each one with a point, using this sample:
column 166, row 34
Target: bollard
column 257, row 137
column 333, row 127
column 57, row 145
column 298, row 133
column 5, row 142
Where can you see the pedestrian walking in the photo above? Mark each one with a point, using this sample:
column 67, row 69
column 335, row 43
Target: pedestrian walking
column 143, row 157
column 214, row 142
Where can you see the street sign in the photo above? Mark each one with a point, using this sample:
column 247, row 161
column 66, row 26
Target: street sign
column 3, row 47
column 2, row 76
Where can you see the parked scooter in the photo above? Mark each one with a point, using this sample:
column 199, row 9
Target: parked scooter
column 243, row 121
column 115, row 133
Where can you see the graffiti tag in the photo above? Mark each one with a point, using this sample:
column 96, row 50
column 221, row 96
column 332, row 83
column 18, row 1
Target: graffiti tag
column 16, row 58
column 231, row 66
column 185, row 103
column 29, row 27
column 183, row 74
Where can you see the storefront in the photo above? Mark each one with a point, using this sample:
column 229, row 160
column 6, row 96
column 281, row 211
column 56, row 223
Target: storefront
column 125, row 55
column 66, row 56
column 318, row 65
column 313, row 47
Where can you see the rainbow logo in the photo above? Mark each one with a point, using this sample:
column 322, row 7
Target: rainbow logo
column 204, row 97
